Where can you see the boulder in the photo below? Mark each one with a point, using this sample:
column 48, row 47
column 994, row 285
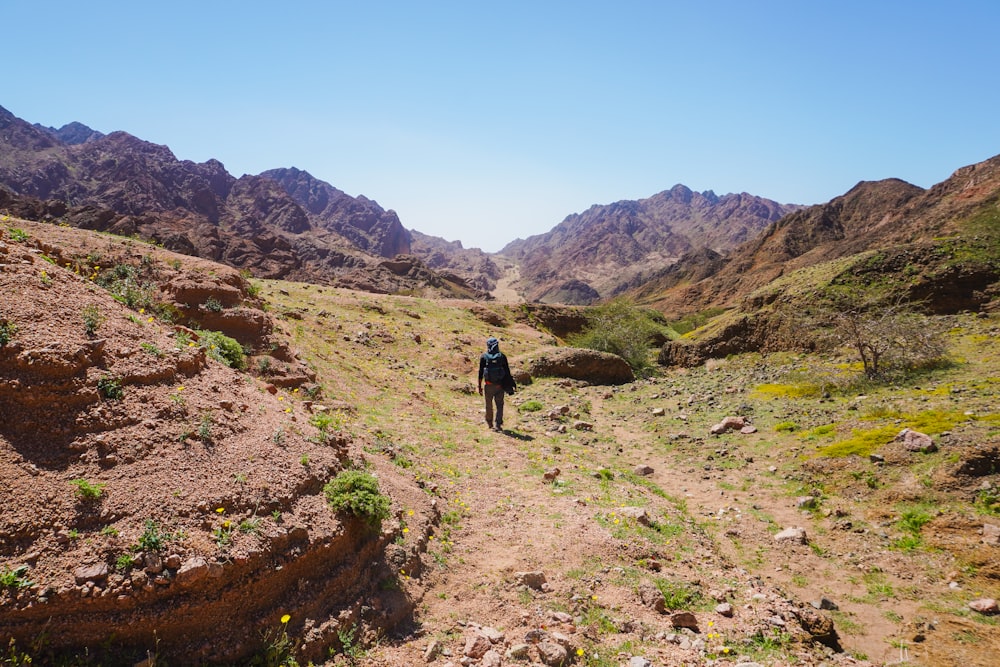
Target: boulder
column 600, row 368
column 728, row 424
column 915, row 441
column 984, row 606
column 795, row 535
column 533, row 580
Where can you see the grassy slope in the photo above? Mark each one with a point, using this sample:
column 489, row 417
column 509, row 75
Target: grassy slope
column 884, row 540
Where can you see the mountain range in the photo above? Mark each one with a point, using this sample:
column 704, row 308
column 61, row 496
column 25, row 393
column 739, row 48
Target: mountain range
column 679, row 251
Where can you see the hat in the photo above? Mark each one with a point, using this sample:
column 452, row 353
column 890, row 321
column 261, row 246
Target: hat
column 492, row 343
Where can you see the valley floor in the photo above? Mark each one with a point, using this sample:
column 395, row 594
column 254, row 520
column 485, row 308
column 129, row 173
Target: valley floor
column 607, row 494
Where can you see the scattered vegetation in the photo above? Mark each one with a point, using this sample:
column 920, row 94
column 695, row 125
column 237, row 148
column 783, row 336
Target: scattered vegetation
column 222, row 348
column 7, row 331
column 212, row 305
column 356, row 492
column 92, row 319
column 14, row 578
column 889, row 336
column 110, row 388
column 88, row 491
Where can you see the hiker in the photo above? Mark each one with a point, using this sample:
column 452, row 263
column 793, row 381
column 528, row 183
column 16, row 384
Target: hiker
column 493, row 369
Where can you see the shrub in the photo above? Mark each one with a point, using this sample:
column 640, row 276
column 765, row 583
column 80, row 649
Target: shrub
column 530, row 406
column 14, row 578
column 7, row 331
column 110, row 388
column 153, row 538
column 92, row 319
column 621, row 328
column 357, row 492
column 222, row 348
column 212, row 305
column 87, row 490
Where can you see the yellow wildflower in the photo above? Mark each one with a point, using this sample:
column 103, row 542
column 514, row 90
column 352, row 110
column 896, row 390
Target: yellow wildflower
column 285, row 619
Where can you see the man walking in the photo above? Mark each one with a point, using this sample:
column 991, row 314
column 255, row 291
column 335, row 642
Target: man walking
column 493, row 370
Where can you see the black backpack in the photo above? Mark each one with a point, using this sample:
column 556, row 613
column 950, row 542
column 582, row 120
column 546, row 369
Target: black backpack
column 494, row 372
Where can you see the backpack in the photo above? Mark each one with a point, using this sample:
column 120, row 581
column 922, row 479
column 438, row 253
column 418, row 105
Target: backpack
column 494, row 372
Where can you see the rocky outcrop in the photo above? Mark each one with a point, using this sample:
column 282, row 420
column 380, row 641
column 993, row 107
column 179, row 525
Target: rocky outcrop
column 360, row 220
column 600, row 368
column 607, row 247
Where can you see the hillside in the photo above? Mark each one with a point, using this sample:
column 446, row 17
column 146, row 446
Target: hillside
column 872, row 215
column 280, row 224
column 600, row 252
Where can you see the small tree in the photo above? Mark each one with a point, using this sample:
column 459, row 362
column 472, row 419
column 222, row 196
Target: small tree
column 887, row 335
column 622, row 328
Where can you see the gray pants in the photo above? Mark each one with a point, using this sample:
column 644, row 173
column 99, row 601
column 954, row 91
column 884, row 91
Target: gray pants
column 494, row 392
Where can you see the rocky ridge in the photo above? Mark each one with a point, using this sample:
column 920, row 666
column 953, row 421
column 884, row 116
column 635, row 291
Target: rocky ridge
column 281, row 224
column 600, row 252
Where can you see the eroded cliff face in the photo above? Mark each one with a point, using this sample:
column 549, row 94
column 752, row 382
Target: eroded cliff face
column 155, row 494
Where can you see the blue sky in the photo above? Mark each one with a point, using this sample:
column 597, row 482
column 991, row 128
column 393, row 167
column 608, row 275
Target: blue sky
column 486, row 122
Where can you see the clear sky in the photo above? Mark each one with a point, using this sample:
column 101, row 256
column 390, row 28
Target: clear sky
column 489, row 121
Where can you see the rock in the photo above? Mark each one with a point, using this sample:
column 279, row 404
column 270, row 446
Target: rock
column 795, row 535
column 476, row 646
column 192, row 571
column 533, row 580
column 491, row 659
column 95, row 573
column 876, row 458
column 748, row 430
column 583, row 426
column 518, row 652
column 915, row 441
column 991, row 534
column 724, row 609
column 432, row 650
column 581, row 364
column 684, row 619
column 552, row 654
column 153, row 563
column 659, row 412
column 984, row 606
column 728, row 424
column 494, row 635
column 561, row 617
column 651, row 596
column 805, row 502
column 825, row 604
column 638, row 661
column 638, row 513
column 643, row 470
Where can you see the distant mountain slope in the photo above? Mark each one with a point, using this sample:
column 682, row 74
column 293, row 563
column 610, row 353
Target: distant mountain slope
column 872, row 215
column 283, row 224
column 604, row 249
column 360, row 220
column 474, row 266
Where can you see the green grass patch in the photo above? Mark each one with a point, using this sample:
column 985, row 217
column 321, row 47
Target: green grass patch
column 866, row 441
column 804, row 390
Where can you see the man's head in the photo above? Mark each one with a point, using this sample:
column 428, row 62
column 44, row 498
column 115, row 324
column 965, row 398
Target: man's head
column 492, row 344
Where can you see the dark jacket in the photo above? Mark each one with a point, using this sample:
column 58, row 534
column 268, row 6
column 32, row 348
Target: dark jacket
column 482, row 367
